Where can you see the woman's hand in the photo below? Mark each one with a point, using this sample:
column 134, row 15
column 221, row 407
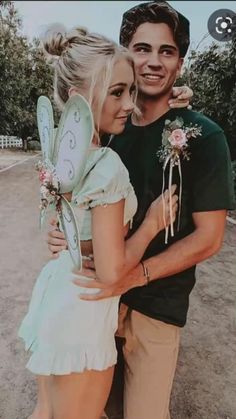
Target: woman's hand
column 56, row 240
column 162, row 211
column 67, row 195
column 181, row 97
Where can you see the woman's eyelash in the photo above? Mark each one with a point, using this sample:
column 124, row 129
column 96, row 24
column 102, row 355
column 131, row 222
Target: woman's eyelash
column 117, row 92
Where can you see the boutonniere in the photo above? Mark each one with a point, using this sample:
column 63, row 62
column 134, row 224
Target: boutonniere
column 175, row 147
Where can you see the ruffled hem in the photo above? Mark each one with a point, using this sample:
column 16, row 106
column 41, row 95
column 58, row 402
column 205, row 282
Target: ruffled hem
column 48, row 360
column 29, row 339
column 45, row 361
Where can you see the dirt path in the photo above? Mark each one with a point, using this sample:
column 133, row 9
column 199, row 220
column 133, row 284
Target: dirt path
column 205, row 383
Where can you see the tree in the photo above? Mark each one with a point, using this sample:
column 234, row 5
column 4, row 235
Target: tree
column 212, row 76
column 24, row 76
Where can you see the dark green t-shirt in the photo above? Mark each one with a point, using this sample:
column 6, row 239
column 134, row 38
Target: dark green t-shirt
column 207, row 186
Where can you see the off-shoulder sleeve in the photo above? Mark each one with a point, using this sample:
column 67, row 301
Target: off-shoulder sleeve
column 106, row 182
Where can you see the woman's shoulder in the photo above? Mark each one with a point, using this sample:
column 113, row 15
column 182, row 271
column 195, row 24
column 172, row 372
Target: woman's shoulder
column 105, row 153
column 106, row 179
column 106, row 162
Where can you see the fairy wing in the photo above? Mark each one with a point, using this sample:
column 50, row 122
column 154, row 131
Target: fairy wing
column 45, row 122
column 71, row 230
column 71, row 146
column 72, row 141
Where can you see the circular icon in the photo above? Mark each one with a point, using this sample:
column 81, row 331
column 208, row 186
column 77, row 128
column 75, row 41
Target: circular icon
column 221, row 25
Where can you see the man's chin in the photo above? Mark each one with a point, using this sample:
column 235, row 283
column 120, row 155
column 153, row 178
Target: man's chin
column 154, row 94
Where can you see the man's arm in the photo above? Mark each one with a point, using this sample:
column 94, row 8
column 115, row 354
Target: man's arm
column 205, row 241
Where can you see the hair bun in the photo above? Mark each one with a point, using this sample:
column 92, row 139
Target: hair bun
column 82, row 31
column 78, row 36
column 55, row 39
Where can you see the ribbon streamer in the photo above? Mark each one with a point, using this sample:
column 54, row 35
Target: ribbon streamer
column 172, row 162
column 163, row 200
column 180, row 192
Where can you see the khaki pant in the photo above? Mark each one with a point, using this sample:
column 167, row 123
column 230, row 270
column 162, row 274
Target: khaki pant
column 146, row 372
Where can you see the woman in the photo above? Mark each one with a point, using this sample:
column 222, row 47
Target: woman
column 72, row 341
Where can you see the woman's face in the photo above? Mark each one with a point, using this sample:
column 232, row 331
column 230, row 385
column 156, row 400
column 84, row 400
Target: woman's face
column 119, row 101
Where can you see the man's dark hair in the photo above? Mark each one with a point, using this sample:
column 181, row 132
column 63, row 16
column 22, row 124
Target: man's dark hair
column 155, row 12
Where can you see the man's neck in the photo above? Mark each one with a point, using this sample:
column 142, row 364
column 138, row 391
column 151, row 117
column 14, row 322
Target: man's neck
column 151, row 109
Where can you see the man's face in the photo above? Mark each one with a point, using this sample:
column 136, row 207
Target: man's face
column 156, row 58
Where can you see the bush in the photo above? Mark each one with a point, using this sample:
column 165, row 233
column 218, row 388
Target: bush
column 234, row 175
column 212, row 77
column 33, row 145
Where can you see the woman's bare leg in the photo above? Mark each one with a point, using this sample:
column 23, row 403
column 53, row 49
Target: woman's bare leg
column 81, row 395
column 43, row 408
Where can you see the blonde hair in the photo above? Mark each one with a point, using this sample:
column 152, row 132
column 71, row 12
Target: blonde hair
column 82, row 60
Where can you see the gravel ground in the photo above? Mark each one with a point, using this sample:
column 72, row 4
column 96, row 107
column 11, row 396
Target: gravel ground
column 205, row 382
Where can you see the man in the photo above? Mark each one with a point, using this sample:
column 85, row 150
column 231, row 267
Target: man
column 155, row 294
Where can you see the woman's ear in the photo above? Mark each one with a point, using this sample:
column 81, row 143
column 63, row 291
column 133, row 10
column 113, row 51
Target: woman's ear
column 73, row 91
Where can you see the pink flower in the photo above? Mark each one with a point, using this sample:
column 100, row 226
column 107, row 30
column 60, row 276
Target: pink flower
column 42, row 175
column 178, row 138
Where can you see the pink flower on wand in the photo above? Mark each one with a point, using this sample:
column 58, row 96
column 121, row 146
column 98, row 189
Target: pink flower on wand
column 42, row 175
column 178, row 138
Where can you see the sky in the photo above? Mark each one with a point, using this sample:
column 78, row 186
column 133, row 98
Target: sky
column 105, row 16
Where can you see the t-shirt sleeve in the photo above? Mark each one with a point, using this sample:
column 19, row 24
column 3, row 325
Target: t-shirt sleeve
column 106, row 183
column 212, row 187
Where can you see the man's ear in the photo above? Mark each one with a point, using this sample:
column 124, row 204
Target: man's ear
column 73, row 91
column 179, row 67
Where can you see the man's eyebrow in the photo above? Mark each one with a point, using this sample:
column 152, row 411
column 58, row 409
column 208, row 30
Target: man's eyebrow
column 141, row 44
column 163, row 46
column 169, row 47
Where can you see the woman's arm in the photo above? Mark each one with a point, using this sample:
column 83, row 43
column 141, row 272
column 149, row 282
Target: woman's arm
column 113, row 256
column 202, row 243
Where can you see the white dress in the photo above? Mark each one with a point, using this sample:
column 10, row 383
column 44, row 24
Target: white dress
column 64, row 333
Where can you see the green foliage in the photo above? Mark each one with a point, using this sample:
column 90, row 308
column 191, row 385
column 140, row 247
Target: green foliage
column 33, row 145
column 212, row 76
column 234, row 175
column 24, row 76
